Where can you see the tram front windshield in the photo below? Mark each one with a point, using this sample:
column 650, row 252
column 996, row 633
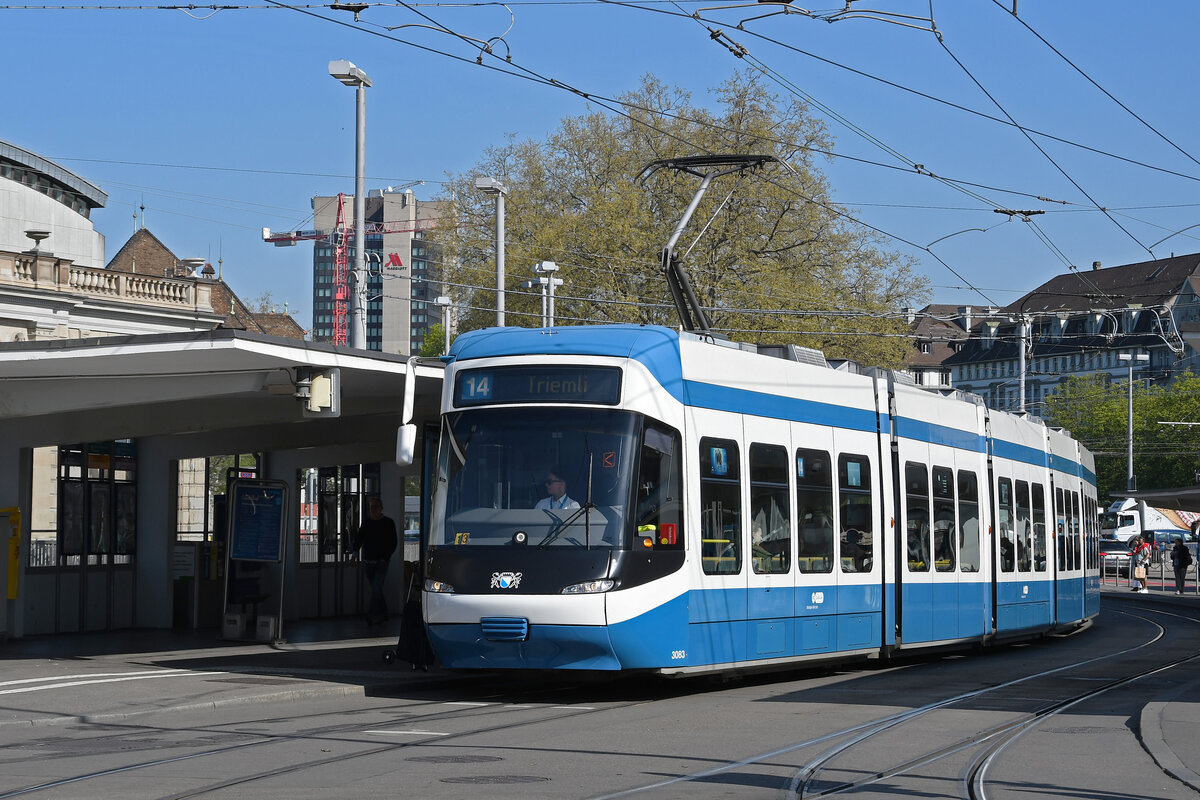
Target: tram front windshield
column 536, row 477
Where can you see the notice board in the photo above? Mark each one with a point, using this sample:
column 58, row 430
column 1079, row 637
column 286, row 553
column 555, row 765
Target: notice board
column 257, row 515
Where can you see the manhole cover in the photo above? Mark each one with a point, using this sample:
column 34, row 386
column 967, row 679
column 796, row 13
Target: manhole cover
column 454, row 759
column 496, row 779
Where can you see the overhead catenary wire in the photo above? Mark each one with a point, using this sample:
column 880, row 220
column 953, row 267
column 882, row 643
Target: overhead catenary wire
column 530, row 73
column 1093, row 82
column 859, row 222
column 1038, row 147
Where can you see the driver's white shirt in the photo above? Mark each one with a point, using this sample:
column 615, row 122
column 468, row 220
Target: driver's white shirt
column 561, row 502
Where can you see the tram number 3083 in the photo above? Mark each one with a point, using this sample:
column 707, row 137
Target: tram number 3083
column 677, row 655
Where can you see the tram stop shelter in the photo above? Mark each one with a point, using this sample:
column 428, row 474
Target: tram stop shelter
column 182, row 396
column 1184, row 498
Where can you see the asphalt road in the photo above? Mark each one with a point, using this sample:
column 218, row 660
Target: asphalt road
column 1058, row 718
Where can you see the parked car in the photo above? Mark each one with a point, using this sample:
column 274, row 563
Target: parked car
column 1114, row 557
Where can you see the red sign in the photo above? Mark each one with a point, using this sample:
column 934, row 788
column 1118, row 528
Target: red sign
column 394, row 260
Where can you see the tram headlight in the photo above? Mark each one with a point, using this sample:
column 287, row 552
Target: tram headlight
column 590, row 587
column 439, row 587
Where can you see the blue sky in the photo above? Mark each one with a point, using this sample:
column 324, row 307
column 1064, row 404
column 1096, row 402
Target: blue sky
column 224, row 123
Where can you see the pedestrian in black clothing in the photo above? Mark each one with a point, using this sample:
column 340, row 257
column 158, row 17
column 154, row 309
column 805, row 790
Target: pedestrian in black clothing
column 376, row 543
column 1181, row 559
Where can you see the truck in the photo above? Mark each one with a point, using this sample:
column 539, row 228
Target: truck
column 1127, row 518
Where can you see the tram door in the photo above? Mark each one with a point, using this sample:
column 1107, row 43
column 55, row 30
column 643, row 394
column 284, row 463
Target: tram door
column 914, row 562
column 770, row 568
column 717, row 608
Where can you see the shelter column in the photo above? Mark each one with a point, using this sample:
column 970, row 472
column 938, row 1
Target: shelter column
column 156, row 518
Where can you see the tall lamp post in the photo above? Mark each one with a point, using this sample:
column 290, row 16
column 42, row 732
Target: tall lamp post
column 350, row 75
column 1132, row 358
column 444, row 302
column 494, row 187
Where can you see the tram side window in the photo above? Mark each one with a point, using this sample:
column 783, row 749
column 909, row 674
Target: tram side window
column 720, row 507
column 1004, row 522
column 1060, row 527
column 1024, row 528
column 770, row 511
column 916, row 515
column 943, row 520
column 857, row 539
column 968, row 520
column 1039, row 528
column 1076, row 546
column 814, row 510
column 660, row 488
column 1094, row 536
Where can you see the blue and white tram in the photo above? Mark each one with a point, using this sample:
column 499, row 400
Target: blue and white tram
column 727, row 509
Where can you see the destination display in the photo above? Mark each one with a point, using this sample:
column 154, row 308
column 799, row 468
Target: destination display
column 538, row 384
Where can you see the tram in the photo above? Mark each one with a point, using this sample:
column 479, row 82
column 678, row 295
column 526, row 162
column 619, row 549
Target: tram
column 717, row 506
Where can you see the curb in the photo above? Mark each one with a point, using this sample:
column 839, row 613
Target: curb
column 1156, row 744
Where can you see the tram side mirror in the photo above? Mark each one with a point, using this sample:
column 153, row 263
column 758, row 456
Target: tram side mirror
column 406, row 444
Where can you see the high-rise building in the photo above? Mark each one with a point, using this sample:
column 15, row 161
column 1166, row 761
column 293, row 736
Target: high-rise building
column 400, row 304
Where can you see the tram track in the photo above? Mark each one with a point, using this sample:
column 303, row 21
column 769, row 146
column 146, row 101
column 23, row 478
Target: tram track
column 990, row 742
column 872, row 746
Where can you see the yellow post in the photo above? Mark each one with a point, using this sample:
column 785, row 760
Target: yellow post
column 14, row 549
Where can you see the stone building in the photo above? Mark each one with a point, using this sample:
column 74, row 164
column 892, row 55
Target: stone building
column 1079, row 323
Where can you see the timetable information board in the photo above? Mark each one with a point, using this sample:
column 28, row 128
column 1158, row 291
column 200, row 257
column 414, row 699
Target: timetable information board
column 258, row 513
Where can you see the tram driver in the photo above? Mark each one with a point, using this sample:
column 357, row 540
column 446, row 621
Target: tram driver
column 556, row 486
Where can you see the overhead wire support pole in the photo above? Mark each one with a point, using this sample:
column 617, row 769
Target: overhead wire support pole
column 691, row 314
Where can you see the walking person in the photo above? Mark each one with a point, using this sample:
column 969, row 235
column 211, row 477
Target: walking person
column 1181, row 559
column 376, row 543
column 1141, row 563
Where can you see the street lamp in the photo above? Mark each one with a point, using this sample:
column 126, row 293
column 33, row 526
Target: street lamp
column 495, row 187
column 444, row 302
column 547, row 269
column 1132, row 358
column 350, row 75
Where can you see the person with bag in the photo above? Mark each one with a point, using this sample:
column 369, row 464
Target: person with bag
column 1140, row 561
column 1181, row 559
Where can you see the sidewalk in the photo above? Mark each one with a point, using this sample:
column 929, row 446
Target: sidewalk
column 105, row 677
column 1169, row 725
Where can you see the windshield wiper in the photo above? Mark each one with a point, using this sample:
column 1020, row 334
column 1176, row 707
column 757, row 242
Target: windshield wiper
column 558, row 529
column 587, row 507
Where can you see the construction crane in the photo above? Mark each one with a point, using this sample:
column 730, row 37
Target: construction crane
column 338, row 237
column 289, row 238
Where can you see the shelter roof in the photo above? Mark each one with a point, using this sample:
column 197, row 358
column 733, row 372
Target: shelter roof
column 212, row 391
